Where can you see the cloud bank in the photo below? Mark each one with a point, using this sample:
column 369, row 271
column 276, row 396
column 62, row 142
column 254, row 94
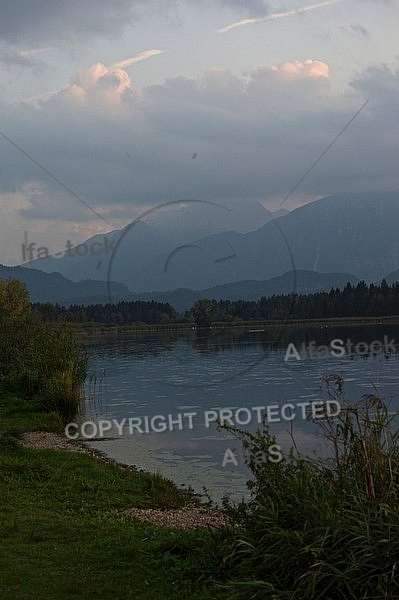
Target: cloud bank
column 120, row 147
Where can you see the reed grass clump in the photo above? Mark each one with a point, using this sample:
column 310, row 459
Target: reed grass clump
column 321, row 528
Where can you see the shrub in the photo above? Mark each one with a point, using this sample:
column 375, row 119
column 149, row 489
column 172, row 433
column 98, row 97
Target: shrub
column 322, row 528
column 43, row 364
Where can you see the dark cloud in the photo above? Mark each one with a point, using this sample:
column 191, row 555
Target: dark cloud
column 55, row 20
column 52, row 20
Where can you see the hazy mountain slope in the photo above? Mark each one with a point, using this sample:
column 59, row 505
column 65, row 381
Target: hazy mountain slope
column 392, row 277
column 348, row 233
column 53, row 287
column 305, row 282
column 141, row 243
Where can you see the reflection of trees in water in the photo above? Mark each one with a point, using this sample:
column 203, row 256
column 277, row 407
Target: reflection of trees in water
column 141, row 344
column 210, row 340
column 205, row 342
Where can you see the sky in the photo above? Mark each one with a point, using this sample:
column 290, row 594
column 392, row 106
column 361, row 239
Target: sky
column 109, row 108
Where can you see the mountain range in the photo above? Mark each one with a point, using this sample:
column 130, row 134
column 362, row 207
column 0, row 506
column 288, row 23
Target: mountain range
column 339, row 238
column 55, row 288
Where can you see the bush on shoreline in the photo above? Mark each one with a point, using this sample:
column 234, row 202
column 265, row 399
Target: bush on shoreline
column 322, row 528
column 44, row 366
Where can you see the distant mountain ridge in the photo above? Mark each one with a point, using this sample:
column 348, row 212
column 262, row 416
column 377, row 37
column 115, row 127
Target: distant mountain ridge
column 54, row 288
column 140, row 246
column 304, row 282
column 346, row 236
column 344, row 233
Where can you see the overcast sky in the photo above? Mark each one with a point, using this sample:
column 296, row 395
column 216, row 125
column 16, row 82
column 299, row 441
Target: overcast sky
column 132, row 103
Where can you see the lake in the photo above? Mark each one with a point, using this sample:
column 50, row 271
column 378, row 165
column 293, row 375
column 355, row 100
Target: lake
column 166, row 391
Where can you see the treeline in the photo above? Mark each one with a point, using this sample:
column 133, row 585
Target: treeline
column 360, row 300
column 122, row 313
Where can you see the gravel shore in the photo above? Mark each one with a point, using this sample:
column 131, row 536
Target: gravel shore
column 183, row 518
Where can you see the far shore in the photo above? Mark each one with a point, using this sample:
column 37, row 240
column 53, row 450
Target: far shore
column 99, row 330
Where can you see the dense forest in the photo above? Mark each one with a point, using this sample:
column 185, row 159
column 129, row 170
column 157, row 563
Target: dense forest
column 353, row 301
column 360, row 300
column 122, row 313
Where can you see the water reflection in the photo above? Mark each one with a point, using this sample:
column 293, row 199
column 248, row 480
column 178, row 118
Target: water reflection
column 150, row 374
column 206, row 342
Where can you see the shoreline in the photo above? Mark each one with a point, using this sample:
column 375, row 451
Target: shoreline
column 193, row 515
column 98, row 329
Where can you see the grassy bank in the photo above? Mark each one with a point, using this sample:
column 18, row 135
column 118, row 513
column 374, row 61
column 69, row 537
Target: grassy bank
column 63, row 533
column 60, row 537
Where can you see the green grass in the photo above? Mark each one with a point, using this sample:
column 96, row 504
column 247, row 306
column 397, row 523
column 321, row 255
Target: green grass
column 18, row 415
column 59, row 538
column 61, row 532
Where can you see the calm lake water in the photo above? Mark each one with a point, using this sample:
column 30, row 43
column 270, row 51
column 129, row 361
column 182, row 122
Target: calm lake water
column 143, row 376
